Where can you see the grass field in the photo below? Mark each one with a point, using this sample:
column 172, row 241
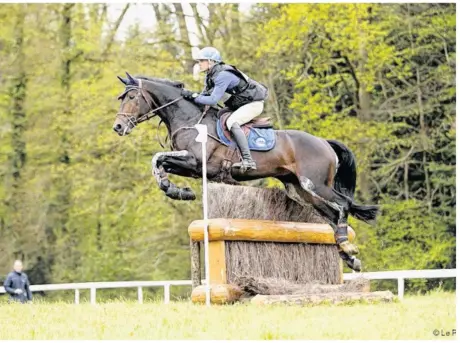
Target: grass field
column 414, row 318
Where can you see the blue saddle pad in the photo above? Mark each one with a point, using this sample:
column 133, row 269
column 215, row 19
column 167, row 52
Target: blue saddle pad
column 260, row 139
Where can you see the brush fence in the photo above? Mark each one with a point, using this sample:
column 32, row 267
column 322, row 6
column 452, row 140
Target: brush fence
column 240, row 248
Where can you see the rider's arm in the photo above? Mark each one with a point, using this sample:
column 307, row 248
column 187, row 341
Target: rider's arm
column 222, row 83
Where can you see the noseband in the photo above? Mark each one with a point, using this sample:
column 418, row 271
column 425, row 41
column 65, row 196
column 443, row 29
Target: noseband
column 153, row 107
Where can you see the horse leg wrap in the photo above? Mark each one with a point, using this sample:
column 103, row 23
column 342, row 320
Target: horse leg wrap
column 341, row 235
column 164, row 184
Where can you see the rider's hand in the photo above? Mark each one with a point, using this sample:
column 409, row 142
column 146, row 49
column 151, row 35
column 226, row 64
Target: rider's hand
column 189, row 95
column 18, row 291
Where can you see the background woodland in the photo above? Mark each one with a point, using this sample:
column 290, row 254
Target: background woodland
column 78, row 202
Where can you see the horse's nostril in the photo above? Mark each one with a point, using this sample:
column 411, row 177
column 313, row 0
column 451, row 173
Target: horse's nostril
column 117, row 127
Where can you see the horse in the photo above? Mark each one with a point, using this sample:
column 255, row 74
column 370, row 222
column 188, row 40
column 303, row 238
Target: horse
column 313, row 170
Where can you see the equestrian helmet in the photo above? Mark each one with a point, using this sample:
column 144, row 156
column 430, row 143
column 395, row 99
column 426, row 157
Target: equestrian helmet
column 209, row 53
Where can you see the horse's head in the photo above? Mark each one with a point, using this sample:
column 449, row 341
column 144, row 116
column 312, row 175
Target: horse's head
column 135, row 102
column 138, row 105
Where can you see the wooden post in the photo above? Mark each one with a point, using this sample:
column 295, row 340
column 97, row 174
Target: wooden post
column 341, row 270
column 195, row 263
column 217, row 265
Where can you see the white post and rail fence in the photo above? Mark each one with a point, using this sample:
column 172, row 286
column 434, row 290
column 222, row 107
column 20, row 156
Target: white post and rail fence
column 399, row 275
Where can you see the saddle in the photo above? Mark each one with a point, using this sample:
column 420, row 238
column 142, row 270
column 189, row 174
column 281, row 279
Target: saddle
column 256, row 123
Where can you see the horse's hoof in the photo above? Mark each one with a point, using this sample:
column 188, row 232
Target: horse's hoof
column 348, row 248
column 354, row 263
column 187, row 194
column 180, row 193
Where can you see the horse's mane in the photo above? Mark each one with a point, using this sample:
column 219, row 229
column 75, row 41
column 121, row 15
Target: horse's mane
column 176, row 84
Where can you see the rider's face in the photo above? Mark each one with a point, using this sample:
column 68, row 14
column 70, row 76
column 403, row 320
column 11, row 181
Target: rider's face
column 204, row 65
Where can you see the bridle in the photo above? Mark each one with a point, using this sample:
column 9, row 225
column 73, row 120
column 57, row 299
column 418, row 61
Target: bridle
column 153, row 112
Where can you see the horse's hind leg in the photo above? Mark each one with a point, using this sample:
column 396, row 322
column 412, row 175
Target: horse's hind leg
column 325, row 196
column 334, row 209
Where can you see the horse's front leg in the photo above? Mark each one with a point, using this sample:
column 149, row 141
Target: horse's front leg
column 177, row 162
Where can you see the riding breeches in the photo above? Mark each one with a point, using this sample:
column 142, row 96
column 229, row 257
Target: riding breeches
column 245, row 113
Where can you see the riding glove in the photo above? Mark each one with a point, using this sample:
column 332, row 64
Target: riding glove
column 189, row 95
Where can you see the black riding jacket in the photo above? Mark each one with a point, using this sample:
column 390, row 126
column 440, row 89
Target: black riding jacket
column 245, row 92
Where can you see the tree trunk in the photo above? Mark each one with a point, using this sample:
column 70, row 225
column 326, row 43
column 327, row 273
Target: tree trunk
column 156, row 10
column 113, row 32
column 200, row 26
column 17, row 92
column 235, row 20
column 164, row 29
column 184, row 38
column 364, row 106
column 66, row 62
column 61, row 182
column 18, row 96
column 423, row 132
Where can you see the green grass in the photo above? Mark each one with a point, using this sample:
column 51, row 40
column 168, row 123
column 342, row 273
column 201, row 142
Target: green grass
column 414, row 318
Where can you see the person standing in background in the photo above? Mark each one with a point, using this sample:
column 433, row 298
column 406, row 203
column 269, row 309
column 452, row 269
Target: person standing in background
column 17, row 284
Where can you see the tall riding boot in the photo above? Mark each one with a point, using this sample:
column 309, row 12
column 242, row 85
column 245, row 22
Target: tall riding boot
column 242, row 142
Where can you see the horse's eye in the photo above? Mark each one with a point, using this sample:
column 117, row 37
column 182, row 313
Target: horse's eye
column 131, row 97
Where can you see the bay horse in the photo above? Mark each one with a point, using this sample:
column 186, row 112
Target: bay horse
column 313, row 170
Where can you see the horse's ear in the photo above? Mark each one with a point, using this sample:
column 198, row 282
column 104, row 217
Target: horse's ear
column 131, row 80
column 124, row 81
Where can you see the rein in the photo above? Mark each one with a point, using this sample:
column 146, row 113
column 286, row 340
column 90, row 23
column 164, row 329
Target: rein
column 154, row 112
column 192, row 127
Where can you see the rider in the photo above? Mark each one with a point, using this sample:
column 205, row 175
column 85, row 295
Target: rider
column 246, row 100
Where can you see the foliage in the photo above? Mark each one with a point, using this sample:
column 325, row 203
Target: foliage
column 78, row 203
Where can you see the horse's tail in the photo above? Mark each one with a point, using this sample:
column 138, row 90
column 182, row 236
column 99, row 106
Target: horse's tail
column 345, row 182
column 345, row 178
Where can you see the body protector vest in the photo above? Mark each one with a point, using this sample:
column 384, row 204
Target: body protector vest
column 245, row 92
